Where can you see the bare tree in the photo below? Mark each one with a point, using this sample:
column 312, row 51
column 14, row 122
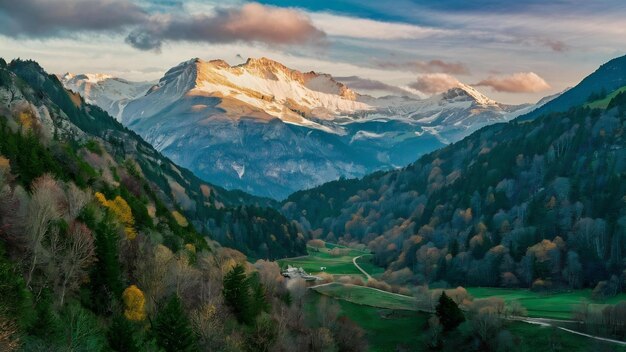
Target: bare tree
column 76, row 200
column 269, row 273
column 43, row 210
column 78, row 257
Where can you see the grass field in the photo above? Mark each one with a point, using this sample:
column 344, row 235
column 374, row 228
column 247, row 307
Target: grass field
column 557, row 305
column 367, row 296
column 335, row 265
column 603, row 103
column 534, row 338
column 386, row 329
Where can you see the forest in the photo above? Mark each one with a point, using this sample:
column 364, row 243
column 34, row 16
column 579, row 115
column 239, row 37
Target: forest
column 537, row 204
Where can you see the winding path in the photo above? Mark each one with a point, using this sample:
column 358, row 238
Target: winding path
column 368, row 276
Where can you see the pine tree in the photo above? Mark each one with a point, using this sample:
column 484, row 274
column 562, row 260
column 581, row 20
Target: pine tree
column 121, row 335
column 449, row 313
column 105, row 277
column 173, row 329
column 258, row 300
column 237, row 294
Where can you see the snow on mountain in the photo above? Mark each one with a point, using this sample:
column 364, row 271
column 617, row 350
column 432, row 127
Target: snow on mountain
column 108, row 92
column 271, row 130
column 260, row 88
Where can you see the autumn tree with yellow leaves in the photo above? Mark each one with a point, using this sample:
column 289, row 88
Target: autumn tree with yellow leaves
column 122, row 212
column 134, row 303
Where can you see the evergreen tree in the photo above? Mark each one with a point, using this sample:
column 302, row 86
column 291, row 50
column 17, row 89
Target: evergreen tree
column 121, row 335
column 237, row 294
column 258, row 300
column 106, row 282
column 449, row 313
column 172, row 328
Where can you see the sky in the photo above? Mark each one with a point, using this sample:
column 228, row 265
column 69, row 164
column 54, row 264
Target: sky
column 512, row 51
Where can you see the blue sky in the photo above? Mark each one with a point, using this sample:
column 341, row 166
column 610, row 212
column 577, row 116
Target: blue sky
column 514, row 52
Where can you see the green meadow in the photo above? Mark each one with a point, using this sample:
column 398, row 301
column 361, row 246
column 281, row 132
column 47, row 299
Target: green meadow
column 367, row 296
column 387, row 329
column 544, row 305
column 603, row 103
column 319, row 258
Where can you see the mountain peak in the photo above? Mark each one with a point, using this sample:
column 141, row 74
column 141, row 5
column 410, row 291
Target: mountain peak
column 467, row 93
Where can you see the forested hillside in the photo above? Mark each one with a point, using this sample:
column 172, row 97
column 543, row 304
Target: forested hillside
column 98, row 250
column 538, row 204
column 95, row 141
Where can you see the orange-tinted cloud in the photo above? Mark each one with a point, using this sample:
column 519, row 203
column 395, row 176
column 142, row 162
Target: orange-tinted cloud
column 252, row 22
column 521, row 82
column 434, row 83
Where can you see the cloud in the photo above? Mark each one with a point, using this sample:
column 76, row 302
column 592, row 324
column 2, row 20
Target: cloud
column 435, row 83
column 432, row 66
column 251, row 22
column 521, row 82
column 555, row 45
column 40, row 18
column 362, row 28
column 358, row 83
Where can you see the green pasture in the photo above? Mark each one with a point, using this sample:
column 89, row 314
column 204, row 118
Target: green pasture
column 385, row 328
column 335, row 265
column 367, row 296
column 388, row 329
column 603, row 103
column 545, row 305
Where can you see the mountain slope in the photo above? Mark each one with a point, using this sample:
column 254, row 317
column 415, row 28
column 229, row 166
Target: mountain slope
column 537, row 204
column 110, row 93
column 270, row 130
column 233, row 218
column 606, row 79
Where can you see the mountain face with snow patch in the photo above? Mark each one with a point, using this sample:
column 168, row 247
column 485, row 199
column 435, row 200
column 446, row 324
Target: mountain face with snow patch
column 270, row 130
column 108, row 92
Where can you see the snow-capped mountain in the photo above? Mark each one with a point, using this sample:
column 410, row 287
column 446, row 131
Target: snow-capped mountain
column 108, row 92
column 271, row 130
column 450, row 116
column 261, row 89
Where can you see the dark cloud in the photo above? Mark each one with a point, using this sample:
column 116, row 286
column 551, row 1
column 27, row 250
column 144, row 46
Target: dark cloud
column 42, row 18
column 358, row 83
column 251, row 22
column 522, row 82
column 435, row 83
column 432, row 66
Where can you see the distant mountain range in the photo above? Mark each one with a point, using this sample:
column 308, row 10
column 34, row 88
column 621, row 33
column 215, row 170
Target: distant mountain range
column 269, row 130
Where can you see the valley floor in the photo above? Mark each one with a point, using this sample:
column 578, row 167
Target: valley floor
column 393, row 320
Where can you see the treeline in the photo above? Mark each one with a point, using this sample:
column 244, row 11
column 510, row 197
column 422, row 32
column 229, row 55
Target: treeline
column 537, row 204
